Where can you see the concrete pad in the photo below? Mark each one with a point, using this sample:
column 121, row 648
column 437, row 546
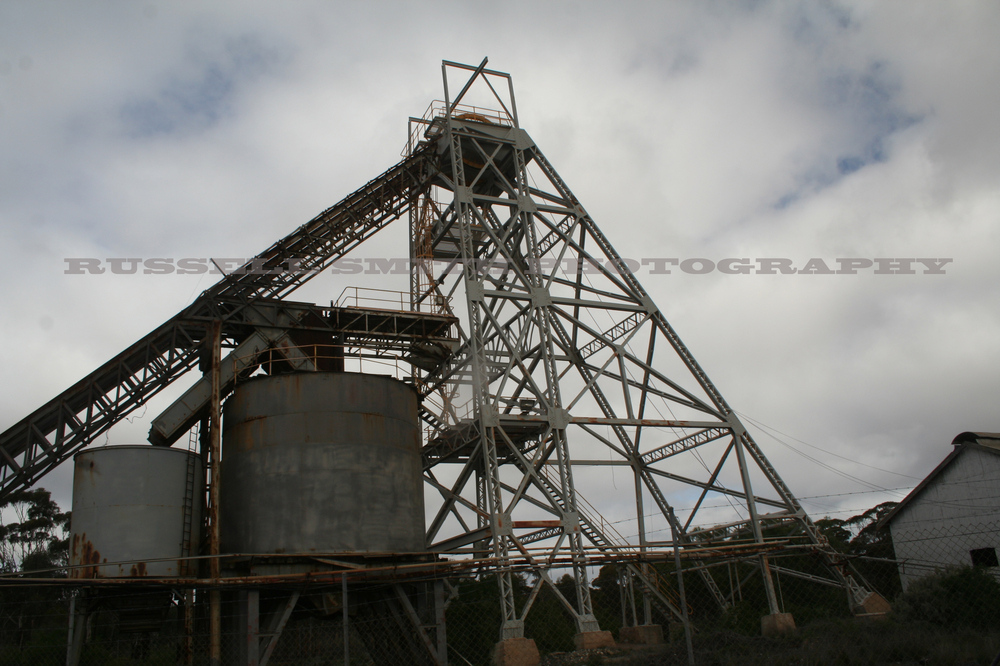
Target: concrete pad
column 777, row 624
column 590, row 640
column 516, row 652
column 647, row 634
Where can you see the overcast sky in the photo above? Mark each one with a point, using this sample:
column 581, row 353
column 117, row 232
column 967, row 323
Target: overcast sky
column 688, row 130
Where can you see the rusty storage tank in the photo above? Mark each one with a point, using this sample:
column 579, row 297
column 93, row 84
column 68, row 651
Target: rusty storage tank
column 137, row 505
column 324, row 462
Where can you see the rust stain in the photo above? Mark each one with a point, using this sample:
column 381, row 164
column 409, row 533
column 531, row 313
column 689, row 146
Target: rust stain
column 138, row 570
column 84, row 553
column 535, row 523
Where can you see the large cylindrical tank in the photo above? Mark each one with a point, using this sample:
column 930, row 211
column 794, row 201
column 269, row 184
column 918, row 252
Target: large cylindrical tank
column 321, row 462
column 135, row 505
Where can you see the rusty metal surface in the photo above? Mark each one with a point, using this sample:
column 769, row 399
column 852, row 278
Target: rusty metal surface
column 394, row 569
column 322, row 462
column 128, row 511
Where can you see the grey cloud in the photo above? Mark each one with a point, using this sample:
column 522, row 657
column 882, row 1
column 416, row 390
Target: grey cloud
column 686, row 129
column 203, row 93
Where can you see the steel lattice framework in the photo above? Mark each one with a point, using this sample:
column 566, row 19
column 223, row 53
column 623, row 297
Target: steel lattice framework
column 564, row 371
column 567, row 364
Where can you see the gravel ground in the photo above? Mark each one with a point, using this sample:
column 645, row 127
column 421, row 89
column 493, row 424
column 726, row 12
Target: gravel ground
column 622, row 655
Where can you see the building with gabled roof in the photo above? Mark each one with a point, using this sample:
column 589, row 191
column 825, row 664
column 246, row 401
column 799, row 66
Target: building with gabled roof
column 952, row 518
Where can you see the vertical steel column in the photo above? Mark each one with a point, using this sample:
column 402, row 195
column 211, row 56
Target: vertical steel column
column 253, row 627
column 647, row 605
column 215, row 450
column 187, row 655
column 758, row 535
column 675, row 537
column 77, row 624
column 439, row 620
column 485, row 411
column 558, row 417
column 622, row 600
column 347, row 632
column 69, row 631
column 483, row 505
column 631, row 596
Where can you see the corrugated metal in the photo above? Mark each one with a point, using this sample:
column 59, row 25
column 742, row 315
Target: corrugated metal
column 321, row 462
column 129, row 507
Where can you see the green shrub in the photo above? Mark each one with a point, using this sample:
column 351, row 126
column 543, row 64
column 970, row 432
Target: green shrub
column 966, row 597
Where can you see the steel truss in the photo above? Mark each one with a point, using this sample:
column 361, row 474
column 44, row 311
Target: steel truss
column 78, row 416
column 566, row 366
column 564, row 371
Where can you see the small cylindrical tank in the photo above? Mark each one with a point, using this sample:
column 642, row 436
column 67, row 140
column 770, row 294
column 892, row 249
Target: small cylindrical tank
column 137, row 506
column 321, row 462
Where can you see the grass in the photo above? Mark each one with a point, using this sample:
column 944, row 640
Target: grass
column 838, row 643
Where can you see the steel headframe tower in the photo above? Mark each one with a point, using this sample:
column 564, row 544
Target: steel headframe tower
column 564, row 372
column 565, row 365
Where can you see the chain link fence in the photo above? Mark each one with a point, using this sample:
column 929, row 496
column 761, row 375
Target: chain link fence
column 949, row 614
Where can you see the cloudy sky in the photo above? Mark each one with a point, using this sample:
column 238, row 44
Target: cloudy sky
column 688, row 130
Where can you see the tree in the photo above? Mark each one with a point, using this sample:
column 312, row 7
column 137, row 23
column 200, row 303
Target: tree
column 36, row 538
column 871, row 547
column 33, row 541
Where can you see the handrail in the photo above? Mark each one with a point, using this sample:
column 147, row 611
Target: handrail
column 380, row 299
column 314, row 353
column 438, row 109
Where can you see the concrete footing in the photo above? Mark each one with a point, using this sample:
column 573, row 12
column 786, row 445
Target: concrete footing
column 647, row 634
column 590, row 640
column 777, row 624
column 874, row 606
column 516, row 652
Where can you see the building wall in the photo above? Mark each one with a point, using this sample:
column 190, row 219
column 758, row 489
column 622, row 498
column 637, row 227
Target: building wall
column 957, row 512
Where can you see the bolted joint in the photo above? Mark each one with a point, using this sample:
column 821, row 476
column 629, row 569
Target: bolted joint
column 570, row 522
column 559, row 419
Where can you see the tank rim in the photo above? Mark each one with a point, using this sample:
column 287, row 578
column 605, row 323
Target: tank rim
column 260, row 378
column 117, row 447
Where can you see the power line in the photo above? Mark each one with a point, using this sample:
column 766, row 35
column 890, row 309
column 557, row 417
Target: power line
column 764, row 427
